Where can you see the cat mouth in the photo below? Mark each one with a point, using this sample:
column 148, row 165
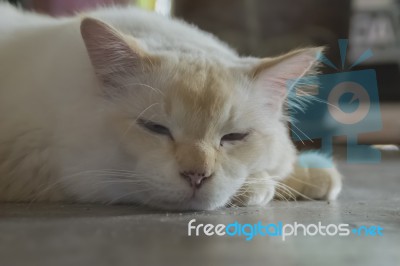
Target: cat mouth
column 193, row 196
column 191, row 202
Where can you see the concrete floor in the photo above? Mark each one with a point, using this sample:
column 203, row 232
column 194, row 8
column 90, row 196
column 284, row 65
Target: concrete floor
column 50, row 235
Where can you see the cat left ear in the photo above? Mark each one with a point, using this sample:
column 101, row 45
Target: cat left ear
column 275, row 76
column 113, row 55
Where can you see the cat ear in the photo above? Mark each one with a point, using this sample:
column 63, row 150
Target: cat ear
column 113, row 55
column 274, row 77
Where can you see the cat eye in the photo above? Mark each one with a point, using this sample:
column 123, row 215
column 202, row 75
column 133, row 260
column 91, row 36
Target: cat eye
column 154, row 127
column 234, row 137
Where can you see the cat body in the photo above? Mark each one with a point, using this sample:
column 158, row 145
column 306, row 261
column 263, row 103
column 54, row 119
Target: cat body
column 121, row 105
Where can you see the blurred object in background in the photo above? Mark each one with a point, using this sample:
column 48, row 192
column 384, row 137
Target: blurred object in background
column 62, row 7
column 269, row 27
column 162, row 7
column 69, row 7
column 375, row 25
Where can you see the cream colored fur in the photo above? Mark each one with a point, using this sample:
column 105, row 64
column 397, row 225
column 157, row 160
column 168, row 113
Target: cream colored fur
column 72, row 91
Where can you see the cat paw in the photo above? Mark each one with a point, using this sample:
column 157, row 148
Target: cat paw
column 326, row 184
column 310, row 182
column 257, row 191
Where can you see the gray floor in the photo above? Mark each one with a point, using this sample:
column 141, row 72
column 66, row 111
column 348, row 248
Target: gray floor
column 123, row 235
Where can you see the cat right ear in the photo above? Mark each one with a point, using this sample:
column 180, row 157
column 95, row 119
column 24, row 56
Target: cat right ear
column 274, row 77
column 114, row 56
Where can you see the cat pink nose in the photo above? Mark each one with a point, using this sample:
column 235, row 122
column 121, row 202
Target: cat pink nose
column 195, row 179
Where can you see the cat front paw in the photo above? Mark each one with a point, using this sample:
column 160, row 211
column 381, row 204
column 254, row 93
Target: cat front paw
column 325, row 184
column 312, row 181
column 258, row 190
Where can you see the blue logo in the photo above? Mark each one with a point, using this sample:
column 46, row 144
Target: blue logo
column 343, row 104
column 280, row 230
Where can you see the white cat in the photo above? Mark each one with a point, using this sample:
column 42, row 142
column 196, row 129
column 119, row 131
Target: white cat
column 124, row 106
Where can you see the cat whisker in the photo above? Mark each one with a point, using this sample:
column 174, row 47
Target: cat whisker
column 137, row 118
column 303, row 182
column 115, row 174
column 122, row 181
column 148, row 86
column 281, row 196
column 325, row 102
column 295, row 191
column 238, row 200
column 284, row 189
column 302, row 133
column 297, row 136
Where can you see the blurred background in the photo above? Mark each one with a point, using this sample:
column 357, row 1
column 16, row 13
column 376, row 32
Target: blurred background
column 267, row 28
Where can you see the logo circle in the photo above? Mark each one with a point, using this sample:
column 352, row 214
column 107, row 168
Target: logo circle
column 359, row 93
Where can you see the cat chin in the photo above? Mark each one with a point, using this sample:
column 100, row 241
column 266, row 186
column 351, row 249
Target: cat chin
column 191, row 204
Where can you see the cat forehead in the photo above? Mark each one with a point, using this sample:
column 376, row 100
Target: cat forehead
column 199, row 96
column 200, row 87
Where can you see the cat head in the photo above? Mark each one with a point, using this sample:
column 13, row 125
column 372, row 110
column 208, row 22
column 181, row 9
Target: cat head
column 191, row 126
